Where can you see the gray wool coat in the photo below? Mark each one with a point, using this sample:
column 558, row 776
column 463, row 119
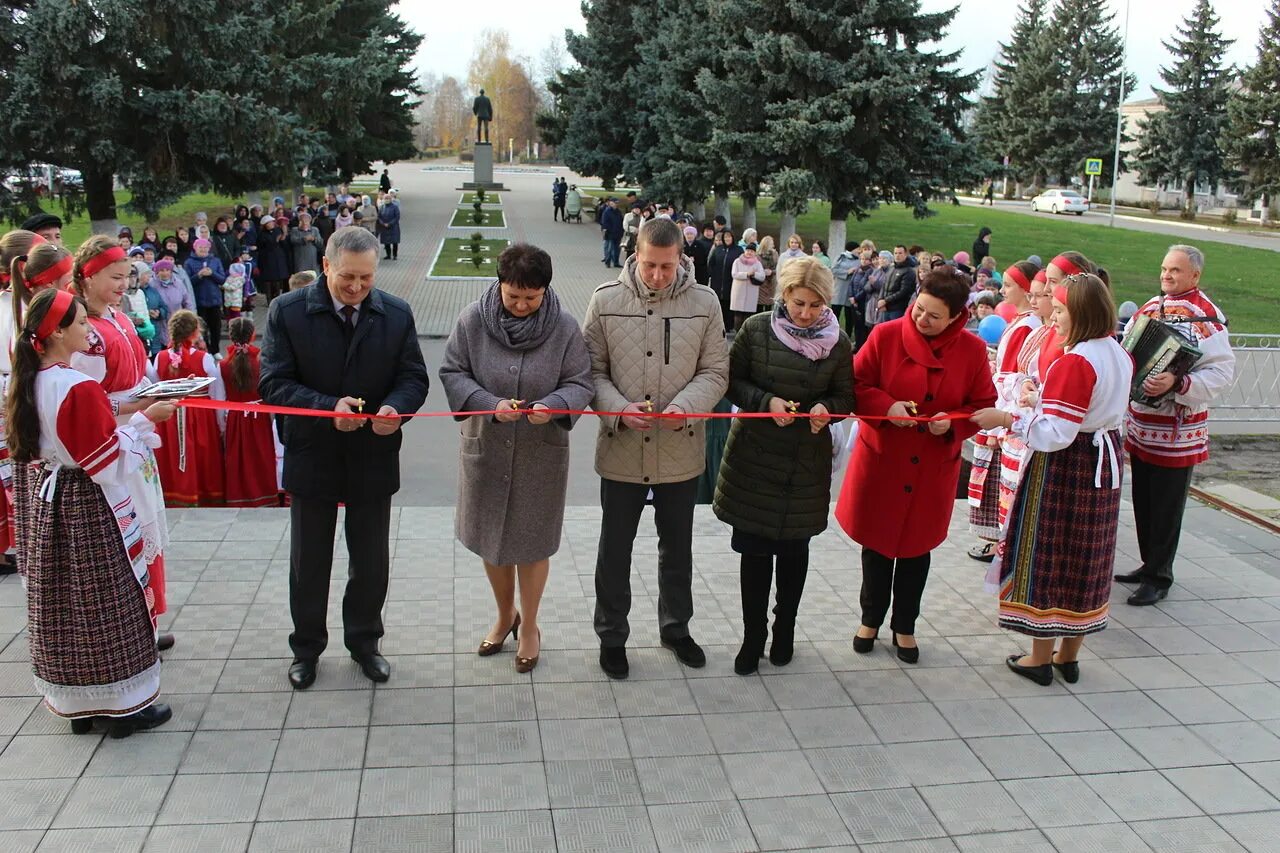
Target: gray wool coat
column 513, row 476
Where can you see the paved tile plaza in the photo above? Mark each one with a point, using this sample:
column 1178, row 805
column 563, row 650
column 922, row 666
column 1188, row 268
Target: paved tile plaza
column 1169, row 741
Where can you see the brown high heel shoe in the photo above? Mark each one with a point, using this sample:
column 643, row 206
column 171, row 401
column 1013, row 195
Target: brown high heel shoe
column 524, row 665
column 487, row 648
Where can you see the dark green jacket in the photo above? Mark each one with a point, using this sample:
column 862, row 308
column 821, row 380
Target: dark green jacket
column 775, row 481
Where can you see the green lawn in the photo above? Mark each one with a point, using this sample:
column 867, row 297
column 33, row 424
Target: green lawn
column 1242, row 281
column 490, row 197
column 455, row 258
column 490, row 219
column 181, row 212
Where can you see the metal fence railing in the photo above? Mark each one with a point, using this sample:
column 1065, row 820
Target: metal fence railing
column 1255, row 393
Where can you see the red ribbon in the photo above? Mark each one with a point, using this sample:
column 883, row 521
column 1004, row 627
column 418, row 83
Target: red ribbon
column 63, row 303
column 1064, row 263
column 101, row 261
column 1060, row 294
column 46, row 277
column 1018, row 277
column 264, row 409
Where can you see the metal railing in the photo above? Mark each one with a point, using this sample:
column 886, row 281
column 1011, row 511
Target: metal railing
column 1255, row 393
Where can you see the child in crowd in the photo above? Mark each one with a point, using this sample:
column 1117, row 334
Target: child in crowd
column 251, row 455
column 233, row 291
column 135, row 304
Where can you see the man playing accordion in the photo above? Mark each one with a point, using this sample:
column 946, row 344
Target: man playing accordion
column 1167, row 431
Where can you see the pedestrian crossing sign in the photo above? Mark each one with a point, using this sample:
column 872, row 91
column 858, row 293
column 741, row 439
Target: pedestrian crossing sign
column 1093, row 166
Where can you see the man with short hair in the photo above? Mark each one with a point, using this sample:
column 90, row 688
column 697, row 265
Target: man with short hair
column 341, row 345
column 46, row 225
column 611, row 228
column 656, row 340
column 1166, row 441
column 630, row 229
column 899, row 285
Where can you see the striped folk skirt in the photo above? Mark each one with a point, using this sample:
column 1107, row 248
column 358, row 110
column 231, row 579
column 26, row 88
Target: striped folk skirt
column 1059, row 548
column 984, row 488
column 93, row 643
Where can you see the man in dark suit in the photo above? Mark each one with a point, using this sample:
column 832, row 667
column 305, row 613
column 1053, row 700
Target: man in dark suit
column 340, row 345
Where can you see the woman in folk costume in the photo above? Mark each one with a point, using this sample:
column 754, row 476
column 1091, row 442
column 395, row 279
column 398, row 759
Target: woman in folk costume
column 1059, row 546
column 190, row 457
column 90, row 610
column 117, row 360
column 251, row 455
column 985, row 517
column 15, row 250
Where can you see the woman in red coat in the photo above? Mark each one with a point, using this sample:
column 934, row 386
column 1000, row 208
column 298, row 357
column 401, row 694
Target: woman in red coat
column 901, row 486
column 251, row 453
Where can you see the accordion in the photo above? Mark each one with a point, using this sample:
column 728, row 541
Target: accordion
column 1157, row 348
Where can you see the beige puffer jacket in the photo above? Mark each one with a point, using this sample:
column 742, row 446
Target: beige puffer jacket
column 665, row 346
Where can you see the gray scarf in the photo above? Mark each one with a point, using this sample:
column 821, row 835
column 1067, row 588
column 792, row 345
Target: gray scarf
column 518, row 333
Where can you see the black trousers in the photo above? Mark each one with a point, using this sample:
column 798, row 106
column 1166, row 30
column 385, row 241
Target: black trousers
column 902, row 580
column 622, row 504
column 1159, row 500
column 756, row 573
column 312, row 527
column 212, row 317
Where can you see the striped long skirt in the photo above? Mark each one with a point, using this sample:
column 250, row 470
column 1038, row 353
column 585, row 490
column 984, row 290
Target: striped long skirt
column 984, row 488
column 1058, row 552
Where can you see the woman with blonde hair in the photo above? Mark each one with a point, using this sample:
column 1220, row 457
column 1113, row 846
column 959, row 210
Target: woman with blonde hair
column 769, row 260
column 774, row 483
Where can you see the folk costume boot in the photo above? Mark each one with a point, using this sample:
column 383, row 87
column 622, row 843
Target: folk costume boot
column 756, row 575
column 791, row 578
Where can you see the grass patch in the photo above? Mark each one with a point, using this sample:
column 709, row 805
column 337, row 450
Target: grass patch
column 455, row 258
column 462, row 218
column 181, row 212
column 490, row 197
column 1240, row 280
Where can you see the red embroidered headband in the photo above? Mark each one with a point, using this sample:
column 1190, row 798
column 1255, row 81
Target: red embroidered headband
column 1019, row 278
column 1060, row 294
column 1064, row 263
column 98, row 263
column 63, row 303
column 44, row 278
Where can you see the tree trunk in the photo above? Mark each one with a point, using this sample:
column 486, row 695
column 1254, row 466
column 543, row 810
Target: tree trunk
column 699, row 211
column 786, row 227
column 748, row 212
column 836, row 231
column 100, row 200
column 1266, row 208
column 722, row 207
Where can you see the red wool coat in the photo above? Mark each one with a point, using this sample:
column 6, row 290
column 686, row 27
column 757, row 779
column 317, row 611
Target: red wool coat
column 900, row 488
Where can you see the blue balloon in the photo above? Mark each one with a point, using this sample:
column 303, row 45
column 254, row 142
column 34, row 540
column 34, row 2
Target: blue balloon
column 991, row 328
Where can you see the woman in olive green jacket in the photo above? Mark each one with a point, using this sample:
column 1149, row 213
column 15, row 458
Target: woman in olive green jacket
column 774, row 484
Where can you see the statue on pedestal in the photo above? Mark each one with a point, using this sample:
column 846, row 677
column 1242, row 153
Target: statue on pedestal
column 482, row 109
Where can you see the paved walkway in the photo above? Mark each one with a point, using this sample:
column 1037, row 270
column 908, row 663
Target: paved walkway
column 1168, row 742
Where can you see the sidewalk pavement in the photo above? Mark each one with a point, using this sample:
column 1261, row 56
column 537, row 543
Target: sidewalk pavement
column 1168, row 742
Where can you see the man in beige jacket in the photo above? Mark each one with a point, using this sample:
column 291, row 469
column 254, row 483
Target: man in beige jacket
column 656, row 339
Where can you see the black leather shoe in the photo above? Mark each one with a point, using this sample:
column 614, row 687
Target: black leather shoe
column 687, row 651
column 164, row 642
column 1042, row 675
column 1134, row 576
column 148, row 718
column 748, row 659
column 863, row 645
column 783, row 647
column 613, row 660
column 1070, row 670
column 1147, row 594
column 906, row 655
column 373, row 665
column 302, row 673
column 82, row 725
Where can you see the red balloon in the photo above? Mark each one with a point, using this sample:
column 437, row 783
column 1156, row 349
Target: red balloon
column 1007, row 311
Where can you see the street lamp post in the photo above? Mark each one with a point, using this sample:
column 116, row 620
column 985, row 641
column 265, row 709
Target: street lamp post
column 1115, row 166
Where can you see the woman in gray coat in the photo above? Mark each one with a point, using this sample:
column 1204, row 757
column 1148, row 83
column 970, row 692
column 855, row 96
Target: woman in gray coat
column 516, row 352
column 306, row 245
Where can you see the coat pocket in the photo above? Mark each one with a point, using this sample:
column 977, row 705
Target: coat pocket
column 472, row 446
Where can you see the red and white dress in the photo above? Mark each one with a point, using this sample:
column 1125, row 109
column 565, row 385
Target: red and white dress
column 6, row 469
column 90, row 606
column 251, row 454
column 1175, row 434
column 117, row 360
column 986, row 516
column 190, row 459
column 1058, row 550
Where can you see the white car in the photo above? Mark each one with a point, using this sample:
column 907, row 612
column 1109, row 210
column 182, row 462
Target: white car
column 1060, row 201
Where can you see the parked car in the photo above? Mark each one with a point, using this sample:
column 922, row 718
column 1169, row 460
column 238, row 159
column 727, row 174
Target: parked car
column 1060, row 201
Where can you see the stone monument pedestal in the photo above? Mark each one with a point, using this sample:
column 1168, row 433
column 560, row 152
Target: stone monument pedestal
column 483, row 170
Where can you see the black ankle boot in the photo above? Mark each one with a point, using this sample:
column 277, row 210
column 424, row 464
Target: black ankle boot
column 755, row 576
column 792, row 571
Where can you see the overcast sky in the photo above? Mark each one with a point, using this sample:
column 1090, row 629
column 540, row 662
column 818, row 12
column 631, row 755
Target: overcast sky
column 451, row 31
